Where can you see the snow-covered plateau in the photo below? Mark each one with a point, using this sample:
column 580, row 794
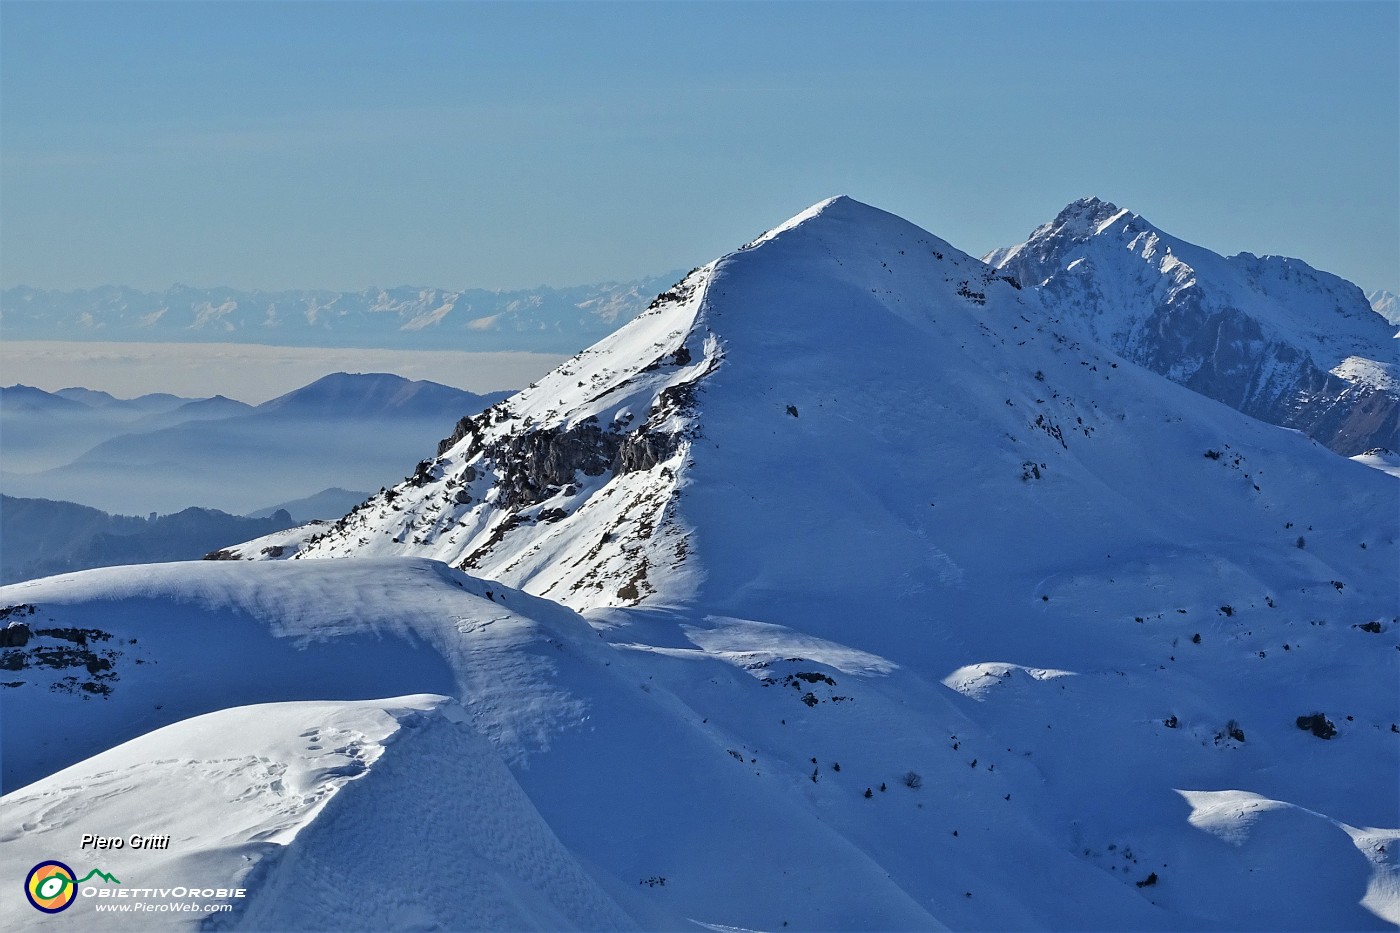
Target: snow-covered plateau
column 857, row 584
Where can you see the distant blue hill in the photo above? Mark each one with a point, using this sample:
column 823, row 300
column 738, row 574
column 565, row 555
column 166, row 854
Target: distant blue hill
column 353, row 431
column 325, row 505
column 42, row 537
column 154, row 402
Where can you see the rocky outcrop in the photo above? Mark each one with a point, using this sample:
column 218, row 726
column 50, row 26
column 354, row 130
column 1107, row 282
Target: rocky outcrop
column 1227, row 356
column 1351, row 421
column 534, row 466
column 1318, row 724
column 14, row 635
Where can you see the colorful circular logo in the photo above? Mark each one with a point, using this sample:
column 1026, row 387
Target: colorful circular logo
column 51, row 887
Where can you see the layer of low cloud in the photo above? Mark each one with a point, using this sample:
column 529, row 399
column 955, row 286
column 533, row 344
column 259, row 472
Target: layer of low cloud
column 249, row 372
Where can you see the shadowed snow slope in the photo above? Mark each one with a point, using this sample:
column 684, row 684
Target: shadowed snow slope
column 905, row 604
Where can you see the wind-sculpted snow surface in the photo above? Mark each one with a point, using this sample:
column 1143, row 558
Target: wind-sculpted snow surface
column 1264, row 334
column 160, row 642
column 345, row 816
column 905, row 604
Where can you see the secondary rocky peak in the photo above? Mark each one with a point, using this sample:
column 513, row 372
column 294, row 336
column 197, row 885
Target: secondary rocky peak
column 1261, row 334
column 1084, row 217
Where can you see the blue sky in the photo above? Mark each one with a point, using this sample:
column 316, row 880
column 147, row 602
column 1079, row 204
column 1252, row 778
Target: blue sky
column 342, row 145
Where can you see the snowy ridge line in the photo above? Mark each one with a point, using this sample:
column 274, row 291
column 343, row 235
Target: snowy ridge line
column 572, row 468
column 859, row 587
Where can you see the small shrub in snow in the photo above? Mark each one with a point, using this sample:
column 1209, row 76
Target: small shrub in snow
column 912, row 780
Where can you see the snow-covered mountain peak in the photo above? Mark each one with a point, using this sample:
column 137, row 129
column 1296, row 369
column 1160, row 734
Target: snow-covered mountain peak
column 1260, row 333
column 847, row 514
column 1087, row 216
column 847, row 356
column 1386, row 304
column 802, row 217
column 1078, row 222
column 844, row 225
column 594, row 455
column 1285, row 295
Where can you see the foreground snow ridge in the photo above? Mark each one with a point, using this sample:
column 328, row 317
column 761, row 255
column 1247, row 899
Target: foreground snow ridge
column 857, row 584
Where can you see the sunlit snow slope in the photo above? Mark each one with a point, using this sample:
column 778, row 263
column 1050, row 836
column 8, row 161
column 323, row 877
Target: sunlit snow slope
column 905, row 604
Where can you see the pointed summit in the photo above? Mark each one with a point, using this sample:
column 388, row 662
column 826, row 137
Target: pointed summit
column 1090, row 210
column 1075, row 223
column 845, row 221
column 1082, row 219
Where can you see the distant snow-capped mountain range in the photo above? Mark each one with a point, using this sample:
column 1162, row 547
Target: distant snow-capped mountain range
column 857, row 584
column 553, row 320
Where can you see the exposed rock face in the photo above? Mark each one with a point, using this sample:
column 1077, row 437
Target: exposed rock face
column 587, row 459
column 468, row 425
column 1318, row 724
column 1264, row 335
column 537, row 465
column 1226, row 355
column 14, row 635
column 1348, row 418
